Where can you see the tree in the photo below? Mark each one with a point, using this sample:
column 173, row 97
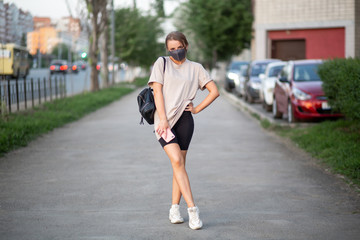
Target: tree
column 159, row 8
column 98, row 21
column 219, row 29
column 136, row 37
column 60, row 51
column 104, row 47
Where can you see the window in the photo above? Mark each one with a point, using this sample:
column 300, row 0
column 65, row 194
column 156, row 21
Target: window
column 306, row 73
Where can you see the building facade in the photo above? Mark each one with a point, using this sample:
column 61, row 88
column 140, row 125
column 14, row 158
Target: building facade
column 40, row 22
column 43, row 38
column 306, row 29
column 69, row 25
column 14, row 24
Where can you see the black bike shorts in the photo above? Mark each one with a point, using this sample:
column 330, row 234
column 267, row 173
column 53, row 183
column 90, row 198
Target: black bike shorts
column 183, row 131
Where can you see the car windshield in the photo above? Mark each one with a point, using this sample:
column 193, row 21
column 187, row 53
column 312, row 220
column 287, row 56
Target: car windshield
column 306, row 72
column 258, row 69
column 236, row 65
column 243, row 70
column 274, row 71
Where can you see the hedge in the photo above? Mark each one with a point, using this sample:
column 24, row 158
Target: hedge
column 341, row 85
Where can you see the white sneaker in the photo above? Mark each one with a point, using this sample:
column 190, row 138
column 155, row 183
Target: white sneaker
column 194, row 219
column 174, row 214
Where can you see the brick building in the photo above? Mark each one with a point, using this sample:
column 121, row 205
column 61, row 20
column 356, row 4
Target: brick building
column 40, row 22
column 306, row 29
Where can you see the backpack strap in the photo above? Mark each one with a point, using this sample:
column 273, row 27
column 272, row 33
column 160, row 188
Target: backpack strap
column 164, row 63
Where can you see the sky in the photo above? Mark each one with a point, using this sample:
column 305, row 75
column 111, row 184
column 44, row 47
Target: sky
column 55, row 9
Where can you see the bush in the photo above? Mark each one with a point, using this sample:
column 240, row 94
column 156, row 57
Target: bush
column 341, row 84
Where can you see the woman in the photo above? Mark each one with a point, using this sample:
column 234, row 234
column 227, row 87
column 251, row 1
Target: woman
column 175, row 86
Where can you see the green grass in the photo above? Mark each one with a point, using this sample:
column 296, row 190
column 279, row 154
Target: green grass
column 18, row 129
column 139, row 82
column 335, row 143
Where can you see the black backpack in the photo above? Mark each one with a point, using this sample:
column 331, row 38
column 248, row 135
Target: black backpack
column 146, row 103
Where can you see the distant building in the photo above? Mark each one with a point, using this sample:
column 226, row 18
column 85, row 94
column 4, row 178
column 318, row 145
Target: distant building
column 40, row 22
column 44, row 38
column 306, row 29
column 70, row 33
column 2, row 22
column 14, row 24
column 69, row 25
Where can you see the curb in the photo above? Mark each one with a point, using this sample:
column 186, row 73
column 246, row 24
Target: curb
column 246, row 107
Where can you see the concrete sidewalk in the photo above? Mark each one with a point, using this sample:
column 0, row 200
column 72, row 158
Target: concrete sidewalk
column 106, row 177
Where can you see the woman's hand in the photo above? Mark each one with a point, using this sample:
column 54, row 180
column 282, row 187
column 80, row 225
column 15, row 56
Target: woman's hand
column 213, row 94
column 161, row 128
column 190, row 107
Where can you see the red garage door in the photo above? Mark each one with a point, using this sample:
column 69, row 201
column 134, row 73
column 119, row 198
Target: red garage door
column 317, row 43
column 288, row 49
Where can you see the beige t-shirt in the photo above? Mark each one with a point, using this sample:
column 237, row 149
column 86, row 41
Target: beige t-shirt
column 180, row 84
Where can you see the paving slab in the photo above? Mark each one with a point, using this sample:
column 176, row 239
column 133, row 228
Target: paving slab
column 106, row 177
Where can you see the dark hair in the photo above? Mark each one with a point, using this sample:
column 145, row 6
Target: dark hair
column 178, row 36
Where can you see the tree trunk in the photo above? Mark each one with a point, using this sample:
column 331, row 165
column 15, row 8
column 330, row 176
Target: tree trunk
column 104, row 50
column 94, row 56
column 98, row 16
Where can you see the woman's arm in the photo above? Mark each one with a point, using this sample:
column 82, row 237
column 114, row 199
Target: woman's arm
column 213, row 94
column 160, row 107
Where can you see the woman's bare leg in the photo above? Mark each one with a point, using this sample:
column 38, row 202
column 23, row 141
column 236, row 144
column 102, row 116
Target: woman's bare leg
column 176, row 193
column 178, row 164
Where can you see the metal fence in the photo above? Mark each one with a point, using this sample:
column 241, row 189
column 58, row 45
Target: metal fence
column 20, row 94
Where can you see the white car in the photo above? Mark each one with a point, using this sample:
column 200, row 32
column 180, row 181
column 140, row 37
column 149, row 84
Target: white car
column 239, row 81
column 268, row 80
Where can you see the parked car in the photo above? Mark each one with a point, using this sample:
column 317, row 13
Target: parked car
column 252, row 81
column 232, row 74
column 239, row 82
column 298, row 92
column 59, row 66
column 268, row 80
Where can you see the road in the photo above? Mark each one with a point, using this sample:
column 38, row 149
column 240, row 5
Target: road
column 106, row 177
column 75, row 82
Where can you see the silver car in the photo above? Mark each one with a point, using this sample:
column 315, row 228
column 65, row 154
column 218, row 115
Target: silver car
column 239, row 82
column 268, row 80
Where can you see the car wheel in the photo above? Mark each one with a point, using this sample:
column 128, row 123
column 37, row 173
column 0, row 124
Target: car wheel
column 250, row 99
column 226, row 86
column 264, row 104
column 291, row 117
column 268, row 108
column 276, row 113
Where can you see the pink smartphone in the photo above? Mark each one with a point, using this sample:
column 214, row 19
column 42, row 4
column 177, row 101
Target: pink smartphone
column 169, row 135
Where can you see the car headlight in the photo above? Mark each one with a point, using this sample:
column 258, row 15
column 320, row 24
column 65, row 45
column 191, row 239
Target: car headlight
column 300, row 94
column 236, row 81
column 233, row 76
column 255, row 85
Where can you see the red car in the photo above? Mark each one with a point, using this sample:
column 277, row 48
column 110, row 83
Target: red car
column 298, row 93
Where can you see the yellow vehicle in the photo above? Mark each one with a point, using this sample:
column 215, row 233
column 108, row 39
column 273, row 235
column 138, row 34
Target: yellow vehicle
column 14, row 60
